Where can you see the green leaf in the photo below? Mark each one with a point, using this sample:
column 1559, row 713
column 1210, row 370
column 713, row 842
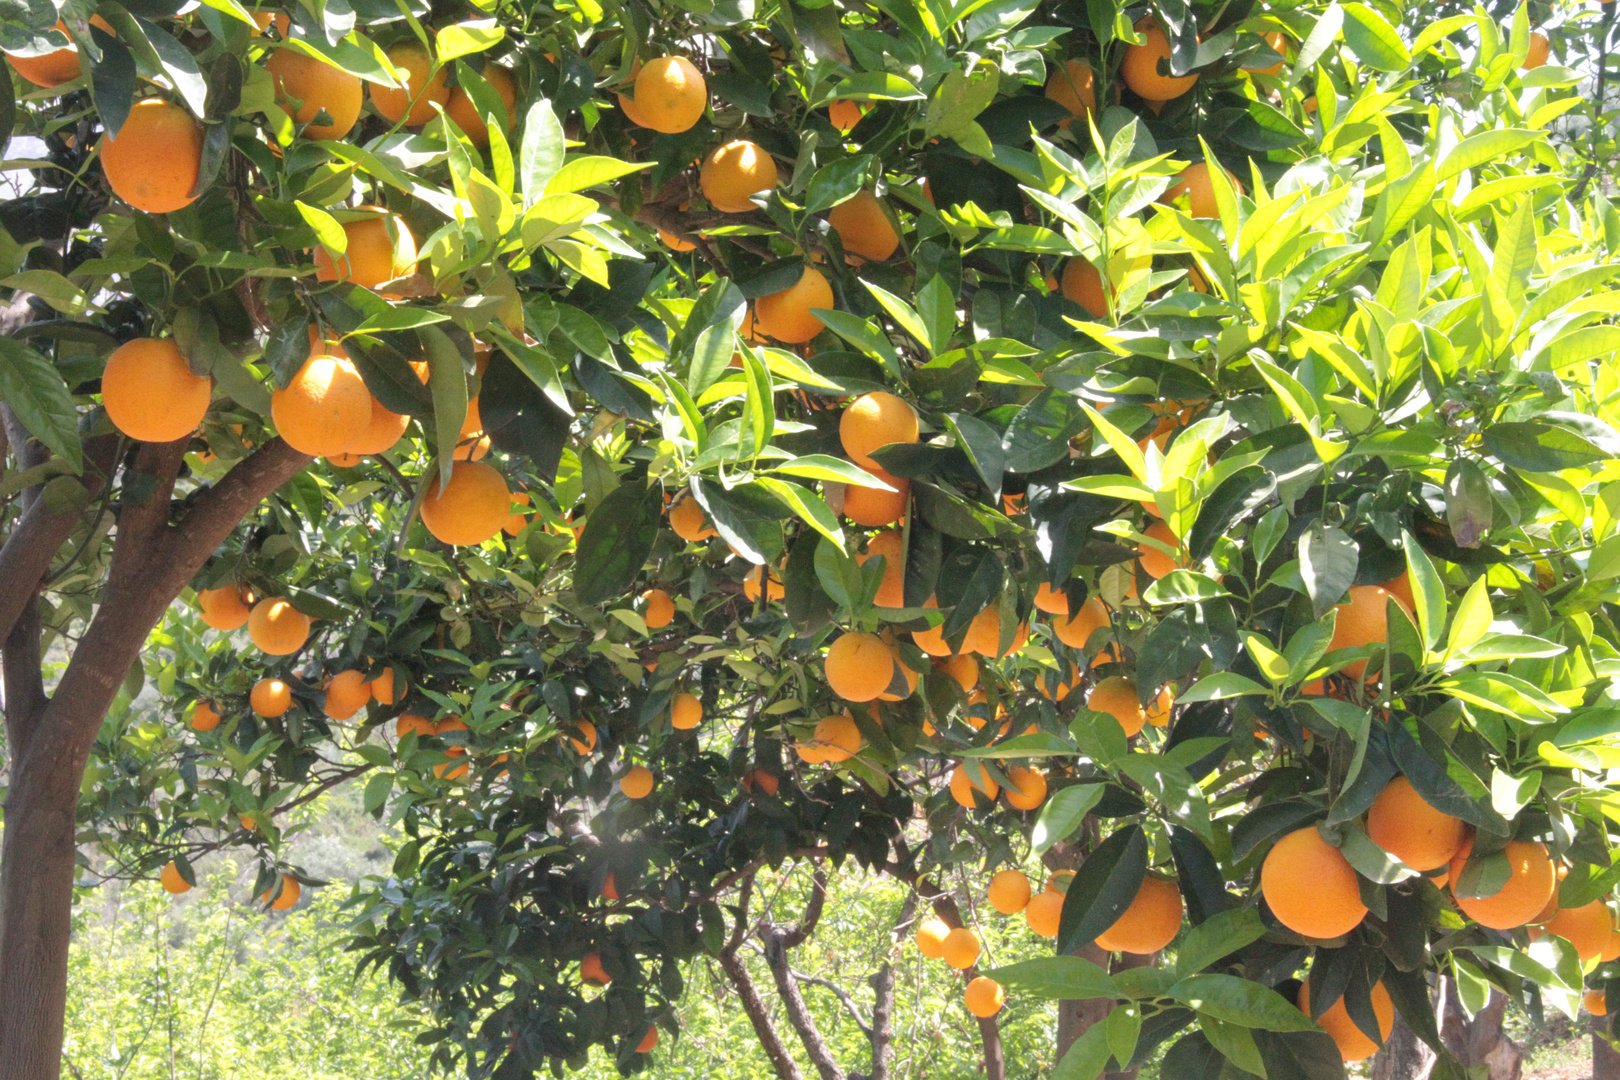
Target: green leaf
column 716, row 340
column 959, row 99
column 1473, row 618
column 1240, row 1001
column 1327, row 562
column 466, row 38
column 875, row 86
column 1056, row 978
column 1099, row 896
column 1220, row 686
column 36, row 392
column 1218, row 936
column 1428, row 594
column 618, row 538
column 1540, row 447
column 827, row 467
column 588, row 171
column 1374, row 41
column 448, row 381
column 811, row 508
column 1062, row 815
column 540, row 156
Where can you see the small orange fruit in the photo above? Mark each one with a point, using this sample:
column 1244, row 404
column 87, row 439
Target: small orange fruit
column 325, row 409
column 1352, row 1042
column 1026, row 788
column 1074, row 87
column 931, row 935
column 837, row 738
column 688, row 520
column 1140, row 68
column 787, row 315
column 736, row 172
column 972, row 786
column 464, row 111
column 1044, row 912
column 410, row 722
column 1538, row 53
column 1589, row 928
column 154, row 162
column 1194, row 182
column 1076, row 630
column 960, row 949
column 223, row 608
column 587, row 740
column 424, row 87
column 1150, row 922
column 1363, row 619
column 863, row 228
column 372, row 256
column 648, row 1041
column 1118, row 697
column 846, row 114
column 1009, row 891
column 270, row 697
column 150, row 393
column 859, row 666
column 172, row 881
column 685, row 712
column 1596, row 1002
column 1405, row 825
column 290, row 892
column 876, row 508
column 592, row 971
column 347, row 694
column 891, row 592
column 1310, row 886
column 316, row 86
column 671, row 94
column 873, row 421
column 277, row 627
column 204, row 717
column 470, row 509
column 984, row 997
column 1530, row 884
column 1156, row 562
column 660, row 610
column 637, row 782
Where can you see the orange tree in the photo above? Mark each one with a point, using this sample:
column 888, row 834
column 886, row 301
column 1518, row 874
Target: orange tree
column 650, row 445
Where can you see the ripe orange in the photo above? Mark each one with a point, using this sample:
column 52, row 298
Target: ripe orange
column 859, row 666
column 773, row 588
column 54, row 68
column 204, row 717
column 587, row 742
column 863, row 228
column 1067, row 682
column 414, row 102
column 1363, row 620
column 675, row 243
column 384, row 430
column 1352, row 1042
column 1009, row 892
column 1044, row 912
column 837, row 737
column 270, row 697
column 1140, row 68
column 471, row 508
column 1530, row 884
column 471, row 443
column 960, row 949
column 1589, row 928
column 931, row 641
column 1050, row 600
column 1310, row 886
column 874, row 507
column 1596, row 1002
column 688, row 520
column 264, row 20
column 648, row 1041
column 671, row 95
column 1539, row 52
column 382, row 688
column 171, row 880
column 766, row 782
column 637, row 782
column 1076, row 630
column 736, row 172
column 984, row 997
column 316, row 87
column 325, row 409
column 372, row 256
column 464, row 111
column 1074, row 87
column 984, row 634
column 972, row 787
column 685, row 712
column 150, row 393
column 892, row 591
column 347, row 694
column 876, row 420
column 409, row 722
column 1279, row 45
column 660, row 609
column 592, row 971
column 1150, row 922
column 290, row 891
column 1117, row 696
column 964, row 669
column 153, row 164
column 1026, row 788
column 1194, row 182
column 223, row 608
column 517, row 519
column 1082, row 283
column 786, row 315
column 1155, row 562
column 846, row 114
column 1402, row 823
column 277, row 627
column 931, row 934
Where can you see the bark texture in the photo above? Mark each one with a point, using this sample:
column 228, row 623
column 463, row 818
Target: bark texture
column 1605, row 1060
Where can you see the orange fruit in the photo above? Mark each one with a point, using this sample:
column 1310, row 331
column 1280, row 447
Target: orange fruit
column 984, row 634
column 960, row 949
column 1026, row 788
column 892, row 591
column 382, row 688
column 325, row 409
column 347, row 694
column 1044, row 912
column 766, row 782
column 409, row 722
column 675, row 243
column 56, row 67
column 1363, row 620
column 384, row 430
column 223, row 608
column 1067, row 682
column 516, row 520
column 464, row 111
column 964, row 669
column 471, row 508
column 846, row 114
column 424, row 87
column 1194, row 182
column 587, row 742
column 153, row 164
column 660, row 609
column 1050, row 600
column 372, row 256
column 1538, row 53
column 1074, row 87
column 688, row 520
column 1074, row 631
column 863, row 228
column 685, row 712
column 264, row 20
column 671, row 95
column 1140, row 68
column 1310, row 886
column 1402, row 823
column 1352, row 1042
column 837, row 737
column 316, row 87
column 637, row 782
column 648, row 1041
column 1150, row 922
column 627, row 105
column 1588, row 928
column 859, row 666
column 772, row 585
column 984, row 997
column 786, row 315
column 1596, row 1002
column 270, row 697
column 931, row 641
column 277, row 627
column 1117, row 696
column 1530, row 884
column 972, row 787
column 592, row 971
column 171, row 880
column 736, row 172
column 874, row 507
column 1009, row 892
column 472, row 444
column 873, row 421
column 1401, row 589
column 204, row 717
column 1082, row 283
column 931, row 935
column 1156, row 562
column 150, row 393
column 290, row 891
column 1279, row 45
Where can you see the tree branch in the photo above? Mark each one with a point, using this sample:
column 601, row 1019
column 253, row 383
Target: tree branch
column 882, row 1034
column 792, row 939
column 798, row 1013
column 748, row 995
column 24, row 701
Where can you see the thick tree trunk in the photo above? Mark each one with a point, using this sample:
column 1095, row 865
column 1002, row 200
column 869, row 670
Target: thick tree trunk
column 1605, row 1061
column 1404, row 1056
column 1480, row 1041
column 49, row 742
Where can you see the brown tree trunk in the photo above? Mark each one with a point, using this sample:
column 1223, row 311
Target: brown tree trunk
column 1480, row 1041
column 1605, row 1061
column 1404, row 1056
column 49, row 741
